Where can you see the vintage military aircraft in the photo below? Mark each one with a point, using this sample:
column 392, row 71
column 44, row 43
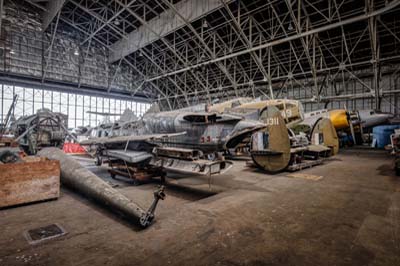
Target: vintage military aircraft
column 291, row 110
column 318, row 131
column 355, row 123
column 371, row 118
column 278, row 147
column 221, row 107
column 122, row 127
column 185, row 142
column 342, row 118
column 288, row 141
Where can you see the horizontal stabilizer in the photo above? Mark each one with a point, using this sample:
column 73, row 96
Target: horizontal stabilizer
column 109, row 140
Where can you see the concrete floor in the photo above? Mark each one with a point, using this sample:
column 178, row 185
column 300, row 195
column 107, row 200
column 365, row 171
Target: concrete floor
column 351, row 216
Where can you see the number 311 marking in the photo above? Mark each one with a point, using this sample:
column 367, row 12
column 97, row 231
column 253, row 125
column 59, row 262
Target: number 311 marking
column 273, row 121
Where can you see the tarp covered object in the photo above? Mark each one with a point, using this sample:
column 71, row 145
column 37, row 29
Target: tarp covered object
column 73, row 148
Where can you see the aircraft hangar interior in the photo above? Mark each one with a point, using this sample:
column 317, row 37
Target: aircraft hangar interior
column 200, row 132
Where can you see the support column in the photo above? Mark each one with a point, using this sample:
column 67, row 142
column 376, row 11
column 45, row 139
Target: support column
column 375, row 49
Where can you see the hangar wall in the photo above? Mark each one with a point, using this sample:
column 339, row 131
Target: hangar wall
column 356, row 89
column 82, row 110
column 25, row 50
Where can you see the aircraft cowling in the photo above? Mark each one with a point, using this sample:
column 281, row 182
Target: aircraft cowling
column 242, row 130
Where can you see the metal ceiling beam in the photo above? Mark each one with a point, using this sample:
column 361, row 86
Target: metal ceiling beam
column 85, row 32
column 293, row 37
column 168, row 45
column 105, row 45
column 186, row 22
column 50, row 49
column 23, row 81
column 1, row 13
column 246, row 41
column 375, row 49
column 164, row 24
column 110, row 20
column 300, row 75
column 104, row 22
column 99, row 18
column 182, row 53
column 52, row 9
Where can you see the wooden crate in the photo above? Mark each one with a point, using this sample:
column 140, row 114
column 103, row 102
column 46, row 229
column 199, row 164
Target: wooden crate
column 29, row 181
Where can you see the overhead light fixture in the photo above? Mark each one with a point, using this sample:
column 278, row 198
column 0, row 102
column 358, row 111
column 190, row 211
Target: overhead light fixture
column 117, row 22
column 290, row 27
column 12, row 51
column 205, row 24
column 76, row 52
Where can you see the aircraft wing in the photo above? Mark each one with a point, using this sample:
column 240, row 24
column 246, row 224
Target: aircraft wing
column 117, row 139
column 130, row 156
column 102, row 113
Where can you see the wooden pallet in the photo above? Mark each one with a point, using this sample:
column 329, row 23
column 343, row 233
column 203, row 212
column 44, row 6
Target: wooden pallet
column 303, row 165
column 29, row 181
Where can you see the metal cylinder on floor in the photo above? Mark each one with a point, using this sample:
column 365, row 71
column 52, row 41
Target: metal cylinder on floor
column 77, row 177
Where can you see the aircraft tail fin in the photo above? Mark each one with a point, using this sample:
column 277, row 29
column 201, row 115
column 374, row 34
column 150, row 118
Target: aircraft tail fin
column 154, row 108
column 128, row 115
